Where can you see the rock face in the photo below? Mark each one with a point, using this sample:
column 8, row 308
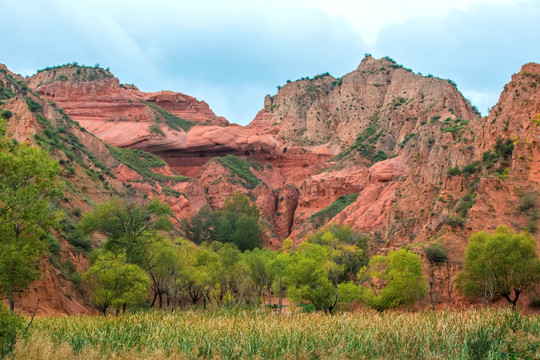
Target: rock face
column 424, row 165
column 341, row 126
column 96, row 99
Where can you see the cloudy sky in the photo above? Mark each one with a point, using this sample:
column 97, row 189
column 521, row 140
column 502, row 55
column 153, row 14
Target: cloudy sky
column 232, row 53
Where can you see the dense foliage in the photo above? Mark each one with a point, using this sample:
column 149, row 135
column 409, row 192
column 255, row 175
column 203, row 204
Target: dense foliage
column 28, row 183
column 500, row 264
column 11, row 326
column 115, row 283
column 130, row 227
column 237, row 223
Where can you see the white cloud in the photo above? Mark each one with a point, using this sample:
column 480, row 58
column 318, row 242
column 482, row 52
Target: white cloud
column 369, row 17
column 231, row 53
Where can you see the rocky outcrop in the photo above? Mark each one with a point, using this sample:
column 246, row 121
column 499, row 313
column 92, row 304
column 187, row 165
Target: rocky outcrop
column 96, row 99
column 378, row 93
column 318, row 139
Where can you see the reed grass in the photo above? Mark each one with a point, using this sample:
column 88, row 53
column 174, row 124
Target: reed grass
column 259, row 334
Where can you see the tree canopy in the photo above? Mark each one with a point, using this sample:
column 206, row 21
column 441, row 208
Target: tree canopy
column 116, row 283
column 499, row 264
column 236, row 223
column 396, row 279
column 28, row 183
column 129, row 226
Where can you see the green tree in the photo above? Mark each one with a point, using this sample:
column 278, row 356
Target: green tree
column 130, row 227
column 238, row 223
column 163, row 265
column 313, row 276
column 11, row 326
column 502, row 263
column 115, row 283
column 396, row 279
column 201, row 227
column 328, row 258
column 259, row 264
column 278, row 266
column 28, row 183
column 350, row 247
column 436, row 255
column 193, row 277
column 239, row 203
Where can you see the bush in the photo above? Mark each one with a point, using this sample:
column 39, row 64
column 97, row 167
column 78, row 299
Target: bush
column 33, row 106
column 436, row 254
column 74, row 236
column 11, row 327
column 465, row 203
column 6, row 114
column 453, row 171
column 469, row 169
column 528, row 201
column 504, row 148
column 156, row 130
column 534, row 301
column 489, row 159
column 455, row 221
column 532, row 224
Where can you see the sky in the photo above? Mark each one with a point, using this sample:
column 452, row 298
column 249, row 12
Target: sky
column 232, row 53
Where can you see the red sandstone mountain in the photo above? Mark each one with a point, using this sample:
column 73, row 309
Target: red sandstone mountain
column 403, row 154
column 301, row 128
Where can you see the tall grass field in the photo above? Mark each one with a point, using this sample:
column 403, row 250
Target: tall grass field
column 260, row 334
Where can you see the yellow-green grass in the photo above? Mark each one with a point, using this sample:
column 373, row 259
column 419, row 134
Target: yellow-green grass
column 258, row 334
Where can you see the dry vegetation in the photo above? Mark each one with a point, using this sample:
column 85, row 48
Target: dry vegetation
column 257, row 334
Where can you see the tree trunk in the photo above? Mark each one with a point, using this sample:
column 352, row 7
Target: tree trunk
column 10, row 298
column 514, row 301
column 432, row 289
column 154, row 300
column 450, row 283
column 280, row 294
column 33, row 315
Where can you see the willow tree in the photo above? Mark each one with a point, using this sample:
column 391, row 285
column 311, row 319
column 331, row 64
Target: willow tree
column 28, row 183
column 504, row 263
column 130, row 227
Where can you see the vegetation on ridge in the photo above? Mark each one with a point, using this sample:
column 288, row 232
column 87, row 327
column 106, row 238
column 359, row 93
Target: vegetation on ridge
column 241, row 169
column 323, row 216
column 173, row 122
column 144, row 164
